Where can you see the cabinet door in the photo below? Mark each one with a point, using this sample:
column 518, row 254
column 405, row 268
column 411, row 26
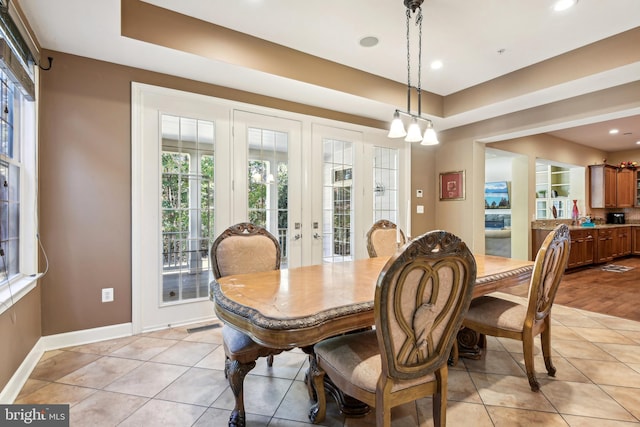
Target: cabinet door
column 602, row 186
column 635, row 240
column 636, row 186
column 589, row 247
column 610, row 187
column 623, row 240
column 605, row 246
column 576, row 251
column 625, row 188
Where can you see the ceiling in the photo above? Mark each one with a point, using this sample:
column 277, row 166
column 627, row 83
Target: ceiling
column 476, row 45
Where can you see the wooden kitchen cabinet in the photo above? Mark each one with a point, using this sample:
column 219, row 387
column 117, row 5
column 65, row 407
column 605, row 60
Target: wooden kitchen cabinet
column 625, row 188
column 605, row 245
column 635, row 240
column 622, row 246
column 603, row 186
column 583, row 246
column 582, row 251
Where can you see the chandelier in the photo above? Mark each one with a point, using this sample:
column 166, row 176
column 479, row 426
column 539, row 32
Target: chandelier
column 414, row 132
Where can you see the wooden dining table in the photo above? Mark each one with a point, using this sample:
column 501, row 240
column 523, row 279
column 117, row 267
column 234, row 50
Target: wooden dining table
column 298, row 307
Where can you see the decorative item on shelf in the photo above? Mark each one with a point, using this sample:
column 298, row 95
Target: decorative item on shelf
column 554, row 212
column 414, row 133
column 628, row 165
column 575, row 214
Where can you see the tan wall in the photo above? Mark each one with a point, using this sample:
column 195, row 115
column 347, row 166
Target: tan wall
column 85, row 183
column 20, row 331
column 423, row 178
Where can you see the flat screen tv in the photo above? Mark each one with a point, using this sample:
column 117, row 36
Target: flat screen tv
column 496, row 195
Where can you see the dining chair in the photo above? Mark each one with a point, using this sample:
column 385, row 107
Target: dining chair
column 384, row 238
column 421, row 297
column 243, row 248
column 523, row 321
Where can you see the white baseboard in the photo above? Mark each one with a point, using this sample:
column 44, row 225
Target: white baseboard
column 52, row 342
column 86, row 336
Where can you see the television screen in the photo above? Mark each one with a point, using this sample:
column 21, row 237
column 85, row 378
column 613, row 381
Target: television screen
column 496, row 195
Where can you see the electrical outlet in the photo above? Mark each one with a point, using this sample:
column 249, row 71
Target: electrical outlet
column 107, row 294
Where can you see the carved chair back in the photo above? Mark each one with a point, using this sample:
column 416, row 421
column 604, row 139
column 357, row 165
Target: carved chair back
column 382, row 238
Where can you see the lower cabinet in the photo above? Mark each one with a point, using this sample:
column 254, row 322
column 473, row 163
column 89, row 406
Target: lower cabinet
column 605, row 246
column 635, row 240
column 623, row 241
column 582, row 250
column 595, row 246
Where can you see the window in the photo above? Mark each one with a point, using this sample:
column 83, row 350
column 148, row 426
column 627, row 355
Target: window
column 17, row 189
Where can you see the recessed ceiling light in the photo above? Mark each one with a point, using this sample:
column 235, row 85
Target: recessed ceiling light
column 638, row 142
column 613, row 131
column 368, row 41
column 436, row 65
column 561, row 5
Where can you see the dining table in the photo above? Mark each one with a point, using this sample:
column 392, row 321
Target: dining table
column 298, row 307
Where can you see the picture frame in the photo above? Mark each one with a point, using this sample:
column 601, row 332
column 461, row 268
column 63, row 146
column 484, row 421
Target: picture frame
column 452, row 185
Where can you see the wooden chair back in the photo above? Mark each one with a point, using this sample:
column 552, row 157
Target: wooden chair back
column 244, row 248
column 382, row 238
column 549, row 266
column 422, row 296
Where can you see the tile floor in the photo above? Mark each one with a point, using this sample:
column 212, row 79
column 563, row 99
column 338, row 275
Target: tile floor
column 175, row 378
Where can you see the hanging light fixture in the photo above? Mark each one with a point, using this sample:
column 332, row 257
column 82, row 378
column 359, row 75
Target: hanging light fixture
column 414, row 133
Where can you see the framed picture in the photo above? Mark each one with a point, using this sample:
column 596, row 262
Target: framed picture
column 452, row 185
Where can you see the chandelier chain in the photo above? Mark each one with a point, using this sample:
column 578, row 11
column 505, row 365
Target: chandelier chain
column 419, row 23
column 408, row 13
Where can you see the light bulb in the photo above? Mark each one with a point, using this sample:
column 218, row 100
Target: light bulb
column 397, row 127
column 430, row 137
column 414, row 134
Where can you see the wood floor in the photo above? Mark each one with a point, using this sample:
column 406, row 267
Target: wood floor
column 593, row 289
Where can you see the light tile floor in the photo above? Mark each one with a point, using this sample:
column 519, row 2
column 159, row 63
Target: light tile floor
column 175, row 378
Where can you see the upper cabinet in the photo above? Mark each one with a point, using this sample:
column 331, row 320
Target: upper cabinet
column 625, row 190
column 636, row 186
column 612, row 187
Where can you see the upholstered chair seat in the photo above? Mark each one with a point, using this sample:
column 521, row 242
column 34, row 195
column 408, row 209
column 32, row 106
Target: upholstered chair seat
column 421, row 297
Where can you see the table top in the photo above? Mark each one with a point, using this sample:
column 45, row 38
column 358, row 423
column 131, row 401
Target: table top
column 299, row 306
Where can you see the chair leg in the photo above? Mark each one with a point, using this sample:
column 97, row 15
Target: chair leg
column 545, row 339
column 270, row 360
column 454, row 355
column 440, row 398
column 236, row 372
column 319, row 409
column 383, row 410
column 527, row 347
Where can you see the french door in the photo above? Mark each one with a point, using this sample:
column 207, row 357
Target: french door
column 201, row 164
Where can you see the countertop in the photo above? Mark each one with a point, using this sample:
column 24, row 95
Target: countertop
column 551, row 224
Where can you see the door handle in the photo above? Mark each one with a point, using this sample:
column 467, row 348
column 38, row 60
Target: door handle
column 297, row 237
column 317, row 236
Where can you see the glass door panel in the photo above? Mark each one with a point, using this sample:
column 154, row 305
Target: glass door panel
column 385, row 184
column 187, row 168
column 337, row 200
column 267, row 198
